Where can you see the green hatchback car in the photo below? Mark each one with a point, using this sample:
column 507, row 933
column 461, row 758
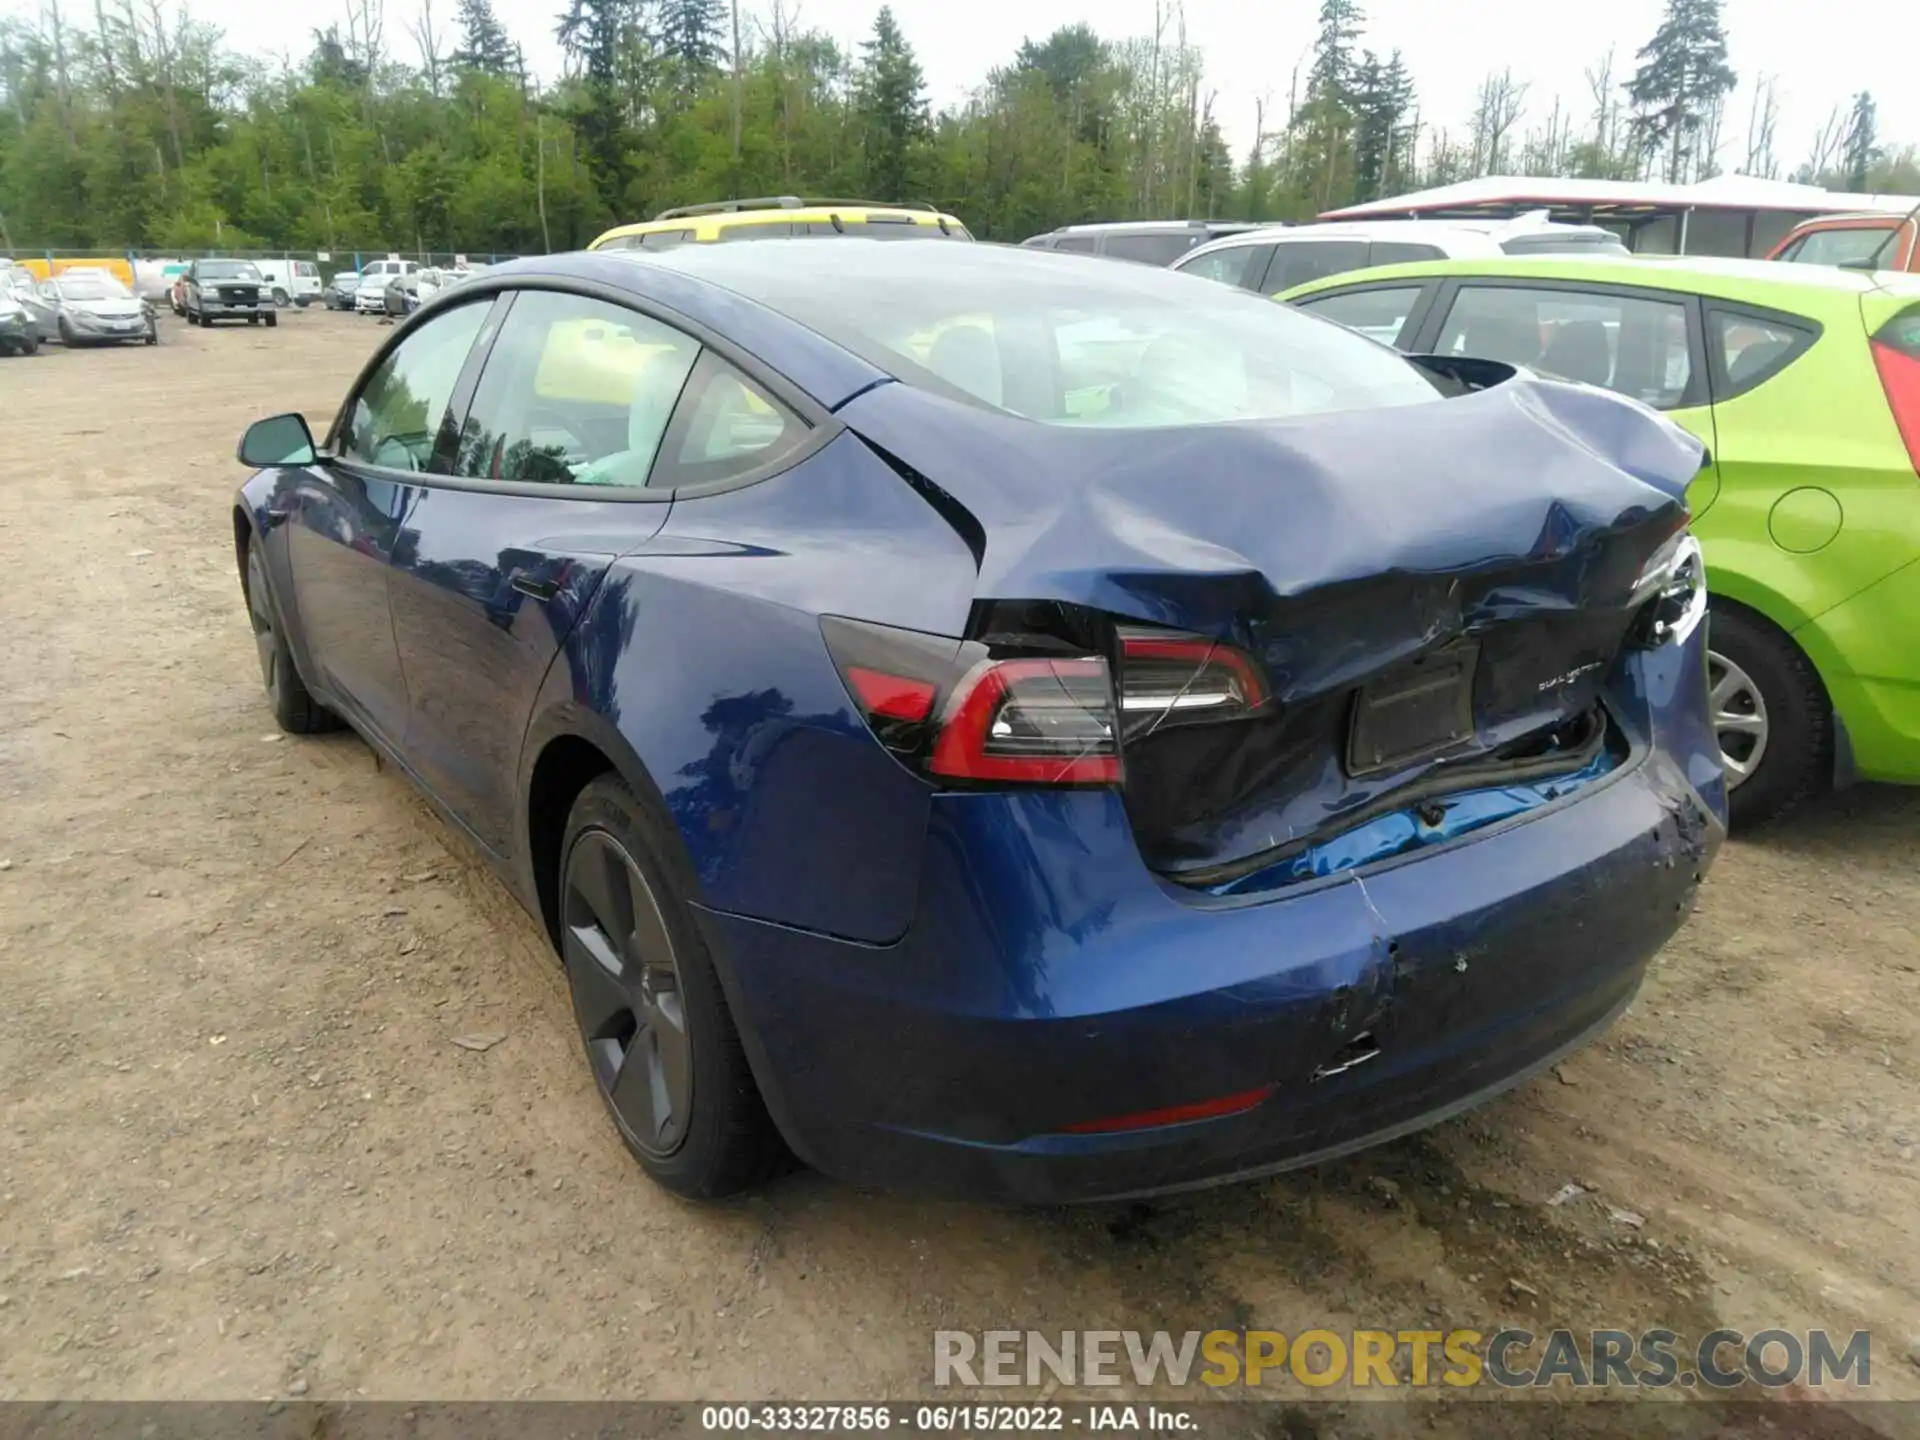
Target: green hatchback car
column 1804, row 384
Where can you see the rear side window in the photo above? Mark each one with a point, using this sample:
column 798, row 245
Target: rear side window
column 576, row 392
column 901, row 229
column 1079, row 244
column 1379, row 314
column 398, row 415
column 1149, row 249
column 1228, row 266
column 725, row 425
column 1400, row 252
column 1746, row 349
column 1621, row 342
column 661, row 239
column 1295, row 262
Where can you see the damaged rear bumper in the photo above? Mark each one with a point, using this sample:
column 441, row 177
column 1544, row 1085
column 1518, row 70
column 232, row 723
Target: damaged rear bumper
column 1050, row 982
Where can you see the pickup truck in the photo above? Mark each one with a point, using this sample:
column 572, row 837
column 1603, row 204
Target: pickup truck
column 225, row 290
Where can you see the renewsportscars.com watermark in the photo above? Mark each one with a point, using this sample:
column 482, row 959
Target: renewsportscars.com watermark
column 1720, row 1360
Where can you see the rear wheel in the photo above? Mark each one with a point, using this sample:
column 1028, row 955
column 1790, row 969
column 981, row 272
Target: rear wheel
column 660, row 1041
column 293, row 706
column 1770, row 716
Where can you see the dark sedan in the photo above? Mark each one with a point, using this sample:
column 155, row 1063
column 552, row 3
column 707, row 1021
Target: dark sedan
column 1009, row 723
column 226, row 290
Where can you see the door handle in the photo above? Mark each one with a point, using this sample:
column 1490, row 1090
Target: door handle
column 533, row 587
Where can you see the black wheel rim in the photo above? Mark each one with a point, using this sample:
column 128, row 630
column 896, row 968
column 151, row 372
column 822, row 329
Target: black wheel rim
column 260, row 612
column 627, row 995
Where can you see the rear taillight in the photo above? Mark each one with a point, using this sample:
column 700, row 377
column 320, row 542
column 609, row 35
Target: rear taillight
column 962, row 712
column 1896, row 355
column 1184, row 679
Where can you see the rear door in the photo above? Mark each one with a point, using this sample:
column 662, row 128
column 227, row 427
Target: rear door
column 1644, row 343
column 553, row 474
column 342, row 518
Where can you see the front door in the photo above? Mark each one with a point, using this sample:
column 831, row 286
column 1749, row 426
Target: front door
column 343, row 518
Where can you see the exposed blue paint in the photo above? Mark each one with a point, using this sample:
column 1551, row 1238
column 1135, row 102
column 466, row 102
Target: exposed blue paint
column 1395, row 834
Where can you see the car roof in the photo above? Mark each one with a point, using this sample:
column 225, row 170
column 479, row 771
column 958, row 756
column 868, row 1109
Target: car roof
column 707, row 223
column 1766, row 282
column 1475, row 234
column 1852, row 219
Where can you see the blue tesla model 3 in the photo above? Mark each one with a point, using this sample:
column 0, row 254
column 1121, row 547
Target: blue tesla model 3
column 1004, row 723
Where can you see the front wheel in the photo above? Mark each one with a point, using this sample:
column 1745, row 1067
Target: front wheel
column 665, row 1055
column 66, row 331
column 280, row 297
column 1770, row 715
column 273, row 321
column 294, row 707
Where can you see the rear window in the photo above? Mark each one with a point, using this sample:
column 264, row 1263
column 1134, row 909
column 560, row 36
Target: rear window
column 1103, row 346
column 1852, row 245
column 1150, row 249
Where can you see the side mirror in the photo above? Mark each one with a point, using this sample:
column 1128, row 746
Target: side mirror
column 277, row 440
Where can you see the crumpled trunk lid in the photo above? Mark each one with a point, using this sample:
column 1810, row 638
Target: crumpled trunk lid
column 1433, row 594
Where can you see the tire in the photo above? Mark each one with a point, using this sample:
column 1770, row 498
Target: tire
column 1777, row 718
column 253, row 319
column 297, row 712
column 273, row 322
column 66, row 332
column 717, row 1138
column 153, row 335
column 280, row 297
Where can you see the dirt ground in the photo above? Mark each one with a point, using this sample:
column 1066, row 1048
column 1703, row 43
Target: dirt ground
column 241, row 1156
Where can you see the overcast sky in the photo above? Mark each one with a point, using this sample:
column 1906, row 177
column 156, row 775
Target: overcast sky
column 1252, row 46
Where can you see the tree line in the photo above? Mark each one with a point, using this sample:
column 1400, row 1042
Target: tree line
column 126, row 123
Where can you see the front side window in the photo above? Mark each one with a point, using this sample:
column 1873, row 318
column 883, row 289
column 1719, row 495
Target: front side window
column 1379, row 314
column 397, row 418
column 1078, row 244
column 1626, row 343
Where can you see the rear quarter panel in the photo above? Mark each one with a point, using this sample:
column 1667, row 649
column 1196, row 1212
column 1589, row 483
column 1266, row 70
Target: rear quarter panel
column 1821, row 425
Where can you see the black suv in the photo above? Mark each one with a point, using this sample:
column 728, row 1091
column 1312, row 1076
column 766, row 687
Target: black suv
column 226, row 290
column 1147, row 242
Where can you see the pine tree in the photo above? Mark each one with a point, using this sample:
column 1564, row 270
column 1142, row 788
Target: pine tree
column 1683, row 76
column 484, row 45
column 1862, row 141
column 893, row 108
column 1382, row 105
column 692, row 39
column 595, row 33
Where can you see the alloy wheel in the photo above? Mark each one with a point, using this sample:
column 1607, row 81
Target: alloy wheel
column 1739, row 714
column 260, row 613
column 627, row 995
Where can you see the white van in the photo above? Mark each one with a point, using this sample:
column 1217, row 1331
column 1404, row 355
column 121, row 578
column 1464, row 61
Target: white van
column 291, row 282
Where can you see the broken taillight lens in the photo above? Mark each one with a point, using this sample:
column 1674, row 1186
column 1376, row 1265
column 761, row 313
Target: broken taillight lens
column 961, row 712
column 1171, row 679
